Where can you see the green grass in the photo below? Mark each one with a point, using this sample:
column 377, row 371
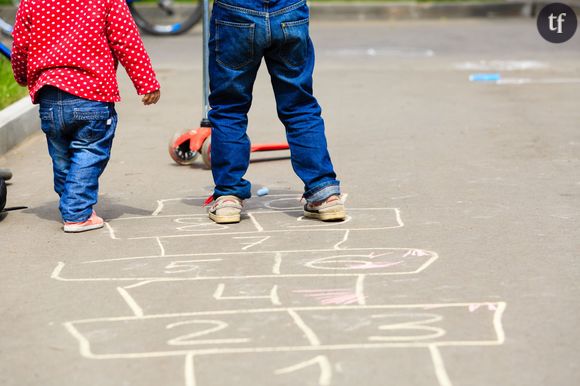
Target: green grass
column 10, row 91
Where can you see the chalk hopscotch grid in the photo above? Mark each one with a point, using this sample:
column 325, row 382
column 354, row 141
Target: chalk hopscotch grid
column 294, row 312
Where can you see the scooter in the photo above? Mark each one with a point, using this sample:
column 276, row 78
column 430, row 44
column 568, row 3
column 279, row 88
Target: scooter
column 186, row 146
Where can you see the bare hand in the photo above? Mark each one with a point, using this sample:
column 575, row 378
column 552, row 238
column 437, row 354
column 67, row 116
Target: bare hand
column 151, row 98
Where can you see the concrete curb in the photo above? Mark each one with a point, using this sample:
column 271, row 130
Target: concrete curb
column 17, row 122
column 406, row 11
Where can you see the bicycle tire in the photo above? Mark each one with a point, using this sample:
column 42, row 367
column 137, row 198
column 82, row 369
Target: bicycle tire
column 167, row 29
column 5, row 174
column 2, row 194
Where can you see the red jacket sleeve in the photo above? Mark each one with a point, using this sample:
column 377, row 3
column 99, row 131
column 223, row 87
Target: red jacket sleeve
column 21, row 34
column 128, row 48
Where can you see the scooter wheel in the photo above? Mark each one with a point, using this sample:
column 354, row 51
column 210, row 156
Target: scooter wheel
column 2, row 194
column 181, row 153
column 206, row 152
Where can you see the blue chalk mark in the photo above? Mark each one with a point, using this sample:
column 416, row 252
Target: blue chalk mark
column 484, row 77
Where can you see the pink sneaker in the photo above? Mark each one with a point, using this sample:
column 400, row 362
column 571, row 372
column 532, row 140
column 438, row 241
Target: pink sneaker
column 94, row 222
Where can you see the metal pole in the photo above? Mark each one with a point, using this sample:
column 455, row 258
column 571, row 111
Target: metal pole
column 205, row 121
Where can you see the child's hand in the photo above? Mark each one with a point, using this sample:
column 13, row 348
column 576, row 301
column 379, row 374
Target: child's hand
column 151, row 98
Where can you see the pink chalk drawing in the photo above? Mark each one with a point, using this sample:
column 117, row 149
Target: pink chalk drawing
column 331, row 296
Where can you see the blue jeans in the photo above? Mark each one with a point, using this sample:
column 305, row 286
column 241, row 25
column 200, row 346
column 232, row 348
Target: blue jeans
column 79, row 133
column 241, row 34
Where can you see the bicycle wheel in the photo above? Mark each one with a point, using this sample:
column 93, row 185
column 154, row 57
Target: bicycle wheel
column 166, row 17
column 2, row 194
column 5, row 174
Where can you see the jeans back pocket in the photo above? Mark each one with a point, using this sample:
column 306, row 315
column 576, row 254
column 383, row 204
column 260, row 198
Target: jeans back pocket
column 294, row 50
column 234, row 43
column 47, row 124
column 93, row 122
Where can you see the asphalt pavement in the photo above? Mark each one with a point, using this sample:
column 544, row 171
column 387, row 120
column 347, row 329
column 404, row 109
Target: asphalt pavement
column 458, row 264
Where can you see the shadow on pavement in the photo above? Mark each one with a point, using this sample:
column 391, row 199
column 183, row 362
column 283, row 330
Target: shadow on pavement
column 109, row 209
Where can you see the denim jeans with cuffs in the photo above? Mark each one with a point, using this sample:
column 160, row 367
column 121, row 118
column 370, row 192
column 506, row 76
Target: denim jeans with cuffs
column 241, row 35
column 80, row 134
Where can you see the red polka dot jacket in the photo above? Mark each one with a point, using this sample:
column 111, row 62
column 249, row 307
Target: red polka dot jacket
column 76, row 45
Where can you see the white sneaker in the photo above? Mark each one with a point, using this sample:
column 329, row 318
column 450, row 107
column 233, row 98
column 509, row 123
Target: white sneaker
column 331, row 209
column 226, row 210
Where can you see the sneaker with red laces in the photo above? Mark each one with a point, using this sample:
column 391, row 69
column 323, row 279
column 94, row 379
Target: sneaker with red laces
column 331, row 209
column 94, row 222
column 226, row 210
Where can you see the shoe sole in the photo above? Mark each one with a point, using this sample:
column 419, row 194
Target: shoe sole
column 79, row 229
column 326, row 216
column 225, row 219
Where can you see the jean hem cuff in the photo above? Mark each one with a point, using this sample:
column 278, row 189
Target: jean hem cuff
column 322, row 192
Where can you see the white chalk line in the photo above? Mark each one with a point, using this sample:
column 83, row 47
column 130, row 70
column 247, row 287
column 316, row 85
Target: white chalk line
column 259, row 212
column 137, row 310
column 283, row 349
column 344, row 239
column 160, row 204
column 277, row 263
column 161, row 248
column 500, row 306
column 273, row 296
column 296, row 229
column 257, row 252
column 219, row 291
column 308, row 332
column 269, row 204
column 176, row 279
column 111, row 231
column 139, row 284
column 399, row 219
column 439, row 366
column 186, row 339
column 260, row 228
column 57, row 272
column 497, row 321
column 360, row 291
column 325, row 378
column 250, row 245
column 319, row 224
column 84, row 345
column 255, row 222
column 190, row 369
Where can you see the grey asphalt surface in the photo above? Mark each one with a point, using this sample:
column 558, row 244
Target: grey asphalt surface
column 458, row 265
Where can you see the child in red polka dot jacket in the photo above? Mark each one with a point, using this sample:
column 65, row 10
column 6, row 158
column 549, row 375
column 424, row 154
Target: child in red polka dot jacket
column 67, row 54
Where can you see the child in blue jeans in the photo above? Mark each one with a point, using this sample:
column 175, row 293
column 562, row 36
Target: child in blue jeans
column 241, row 34
column 67, row 54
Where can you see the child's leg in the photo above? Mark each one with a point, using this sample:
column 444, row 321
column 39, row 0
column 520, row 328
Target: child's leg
column 291, row 63
column 58, row 150
column 235, row 54
column 92, row 127
column 58, row 143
